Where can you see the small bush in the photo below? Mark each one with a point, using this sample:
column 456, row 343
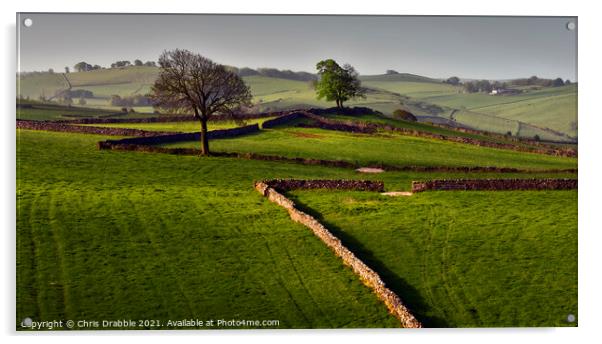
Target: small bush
column 404, row 115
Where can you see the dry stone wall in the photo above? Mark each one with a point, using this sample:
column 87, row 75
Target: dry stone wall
column 368, row 276
column 164, row 119
column 284, row 119
column 341, row 184
column 64, row 127
column 494, row 184
column 180, row 137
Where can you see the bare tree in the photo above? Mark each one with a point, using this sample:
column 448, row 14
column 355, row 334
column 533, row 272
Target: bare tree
column 189, row 82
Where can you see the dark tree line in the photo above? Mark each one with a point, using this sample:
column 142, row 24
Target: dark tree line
column 84, row 67
column 136, row 100
column 487, row 86
column 273, row 73
column 535, row 81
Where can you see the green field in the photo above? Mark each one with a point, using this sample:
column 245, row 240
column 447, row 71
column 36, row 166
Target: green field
column 525, row 114
column 464, row 259
column 551, row 107
column 129, row 235
column 424, row 127
column 109, row 235
column 43, row 112
column 188, row 126
column 393, row 149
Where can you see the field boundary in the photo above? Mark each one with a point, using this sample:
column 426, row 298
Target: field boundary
column 81, row 129
column 368, row 276
column 284, row 119
column 371, row 128
column 126, row 145
column 178, row 137
column 164, row 119
column 494, row 184
column 141, row 137
column 332, row 184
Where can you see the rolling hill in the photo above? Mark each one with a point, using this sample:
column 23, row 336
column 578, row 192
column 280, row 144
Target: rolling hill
column 549, row 112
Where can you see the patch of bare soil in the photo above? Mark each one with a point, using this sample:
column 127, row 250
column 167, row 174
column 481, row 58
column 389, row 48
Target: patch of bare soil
column 370, row 170
column 397, row 193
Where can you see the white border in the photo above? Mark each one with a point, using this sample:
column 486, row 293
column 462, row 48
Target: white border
column 589, row 123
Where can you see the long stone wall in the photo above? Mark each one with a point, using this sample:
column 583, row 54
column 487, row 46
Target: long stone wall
column 64, row 127
column 164, row 119
column 341, row 184
column 494, row 184
column 179, row 137
column 368, row 276
column 284, row 119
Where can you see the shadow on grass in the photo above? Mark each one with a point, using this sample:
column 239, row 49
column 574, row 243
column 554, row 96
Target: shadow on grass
column 409, row 295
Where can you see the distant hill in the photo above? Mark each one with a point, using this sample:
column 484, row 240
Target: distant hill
column 548, row 112
column 399, row 77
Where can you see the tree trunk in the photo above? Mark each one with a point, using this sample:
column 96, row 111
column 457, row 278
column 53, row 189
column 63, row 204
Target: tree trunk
column 204, row 137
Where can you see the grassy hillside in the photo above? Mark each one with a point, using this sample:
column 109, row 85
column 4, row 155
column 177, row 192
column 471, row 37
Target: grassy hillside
column 399, row 77
column 533, row 110
column 45, row 111
column 111, row 235
column 468, row 259
column 550, row 107
column 390, row 149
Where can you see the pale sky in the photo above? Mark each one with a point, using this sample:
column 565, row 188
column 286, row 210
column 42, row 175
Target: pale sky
column 469, row 47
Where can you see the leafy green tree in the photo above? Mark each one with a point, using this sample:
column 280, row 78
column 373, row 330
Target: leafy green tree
column 337, row 83
column 454, row 80
column 404, row 115
column 82, row 67
column 138, row 62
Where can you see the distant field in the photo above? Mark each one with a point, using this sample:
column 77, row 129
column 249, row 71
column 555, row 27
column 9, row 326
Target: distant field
column 551, row 107
column 424, row 127
column 390, row 149
column 558, row 112
column 415, row 89
column 56, row 112
column 467, row 259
